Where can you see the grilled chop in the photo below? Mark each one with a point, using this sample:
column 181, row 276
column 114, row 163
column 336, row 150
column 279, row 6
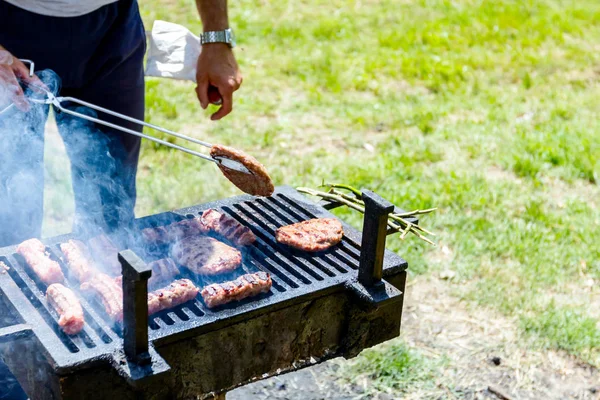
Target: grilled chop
column 313, row 235
column 227, row 227
column 206, row 256
column 175, row 231
column 34, row 253
column 106, row 254
column 163, row 270
column 66, row 304
column 79, row 260
column 178, row 292
column 245, row 286
column 258, row 183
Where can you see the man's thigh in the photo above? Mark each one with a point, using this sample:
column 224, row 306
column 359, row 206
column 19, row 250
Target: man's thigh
column 113, row 79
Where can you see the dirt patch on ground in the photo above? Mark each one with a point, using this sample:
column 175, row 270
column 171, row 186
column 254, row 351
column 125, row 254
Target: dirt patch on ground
column 485, row 358
column 485, row 350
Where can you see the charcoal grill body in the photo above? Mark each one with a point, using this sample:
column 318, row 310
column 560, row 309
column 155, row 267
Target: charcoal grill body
column 317, row 309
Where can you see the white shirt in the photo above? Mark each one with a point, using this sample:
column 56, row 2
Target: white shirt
column 61, row 8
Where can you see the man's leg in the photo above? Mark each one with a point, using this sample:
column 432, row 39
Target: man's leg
column 21, row 174
column 104, row 184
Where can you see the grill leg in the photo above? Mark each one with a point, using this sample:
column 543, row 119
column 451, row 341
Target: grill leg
column 135, row 307
column 370, row 270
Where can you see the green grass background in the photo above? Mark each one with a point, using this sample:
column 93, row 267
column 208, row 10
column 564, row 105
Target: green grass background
column 486, row 109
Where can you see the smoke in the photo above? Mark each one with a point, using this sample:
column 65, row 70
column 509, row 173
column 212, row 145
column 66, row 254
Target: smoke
column 103, row 203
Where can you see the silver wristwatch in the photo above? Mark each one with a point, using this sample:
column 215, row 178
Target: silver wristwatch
column 225, row 36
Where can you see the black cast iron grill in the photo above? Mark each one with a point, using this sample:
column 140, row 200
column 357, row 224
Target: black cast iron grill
column 356, row 309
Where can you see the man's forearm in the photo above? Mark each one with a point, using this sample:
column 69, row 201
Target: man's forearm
column 213, row 14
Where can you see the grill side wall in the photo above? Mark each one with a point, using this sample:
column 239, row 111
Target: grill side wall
column 269, row 344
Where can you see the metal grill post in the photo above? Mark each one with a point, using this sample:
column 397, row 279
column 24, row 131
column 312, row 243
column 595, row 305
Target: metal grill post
column 370, row 269
column 135, row 306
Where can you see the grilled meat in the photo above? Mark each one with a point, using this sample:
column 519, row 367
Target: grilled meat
column 206, row 256
column 163, row 270
column 245, row 286
column 108, row 292
column 156, row 235
column 313, row 235
column 34, row 253
column 228, row 227
column 64, row 301
column 210, row 218
column 258, row 183
column 106, row 254
column 175, row 231
column 79, row 260
column 178, row 292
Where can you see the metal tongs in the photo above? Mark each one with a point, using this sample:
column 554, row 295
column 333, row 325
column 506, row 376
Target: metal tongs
column 50, row 98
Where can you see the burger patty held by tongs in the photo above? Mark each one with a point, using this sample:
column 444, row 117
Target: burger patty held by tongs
column 257, row 183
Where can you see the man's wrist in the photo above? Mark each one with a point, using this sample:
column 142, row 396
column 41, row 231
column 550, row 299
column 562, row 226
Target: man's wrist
column 224, row 37
column 215, row 26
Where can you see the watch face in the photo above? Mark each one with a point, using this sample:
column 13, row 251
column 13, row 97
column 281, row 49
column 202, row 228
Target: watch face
column 230, row 37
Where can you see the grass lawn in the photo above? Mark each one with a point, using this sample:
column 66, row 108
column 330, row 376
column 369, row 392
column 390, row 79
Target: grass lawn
column 486, row 109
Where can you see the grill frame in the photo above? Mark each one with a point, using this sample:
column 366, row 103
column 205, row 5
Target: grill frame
column 38, row 322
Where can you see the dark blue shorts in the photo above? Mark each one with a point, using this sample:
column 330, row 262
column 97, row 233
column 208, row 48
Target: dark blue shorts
column 98, row 58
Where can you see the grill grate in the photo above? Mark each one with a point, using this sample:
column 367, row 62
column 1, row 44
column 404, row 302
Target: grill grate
column 297, row 276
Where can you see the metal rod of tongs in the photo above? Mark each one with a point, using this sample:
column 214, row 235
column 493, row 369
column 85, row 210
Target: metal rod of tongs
column 57, row 102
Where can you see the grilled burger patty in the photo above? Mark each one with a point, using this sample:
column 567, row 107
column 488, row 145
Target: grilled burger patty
column 313, row 235
column 66, row 304
column 245, row 286
column 34, row 253
column 206, row 256
column 258, row 184
column 178, row 292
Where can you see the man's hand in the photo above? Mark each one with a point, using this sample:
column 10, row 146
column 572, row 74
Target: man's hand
column 218, row 69
column 217, row 75
column 11, row 69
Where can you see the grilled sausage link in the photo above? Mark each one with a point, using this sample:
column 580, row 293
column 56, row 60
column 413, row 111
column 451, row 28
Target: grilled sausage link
column 228, row 227
column 34, row 253
column 109, row 293
column 245, row 286
column 68, row 307
column 178, row 292
column 79, row 260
